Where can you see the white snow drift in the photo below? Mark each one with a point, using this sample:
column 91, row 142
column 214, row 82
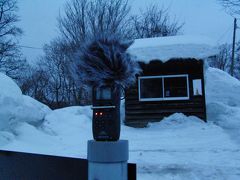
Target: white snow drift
column 15, row 107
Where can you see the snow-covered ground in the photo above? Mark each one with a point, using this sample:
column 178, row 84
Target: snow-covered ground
column 178, row 147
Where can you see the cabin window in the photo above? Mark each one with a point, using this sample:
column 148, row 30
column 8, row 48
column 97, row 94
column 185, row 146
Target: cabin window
column 163, row 88
column 151, row 88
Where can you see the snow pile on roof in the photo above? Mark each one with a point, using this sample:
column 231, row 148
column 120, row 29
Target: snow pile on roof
column 15, row 107
column 166, row 48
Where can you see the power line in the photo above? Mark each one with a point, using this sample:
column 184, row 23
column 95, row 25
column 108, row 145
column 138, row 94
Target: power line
column 224, row 34
column 30, row 47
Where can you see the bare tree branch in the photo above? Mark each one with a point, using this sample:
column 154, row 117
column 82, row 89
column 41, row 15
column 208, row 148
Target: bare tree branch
column 88, row 18
column 10, row 55
column 232, row 6
column 155, row 22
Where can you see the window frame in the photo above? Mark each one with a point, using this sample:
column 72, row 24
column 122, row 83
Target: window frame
column 163, row 88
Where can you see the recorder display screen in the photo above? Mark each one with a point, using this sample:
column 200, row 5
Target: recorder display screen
column 103, row 93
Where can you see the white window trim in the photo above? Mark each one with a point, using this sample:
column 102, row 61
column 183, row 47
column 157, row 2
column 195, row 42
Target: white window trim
column 163, row 98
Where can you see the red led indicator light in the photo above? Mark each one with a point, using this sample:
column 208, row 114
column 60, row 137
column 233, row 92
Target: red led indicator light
column 101, row 113
column 96, row 114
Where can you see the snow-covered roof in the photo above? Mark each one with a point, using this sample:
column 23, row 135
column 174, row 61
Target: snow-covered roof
column 166, row 48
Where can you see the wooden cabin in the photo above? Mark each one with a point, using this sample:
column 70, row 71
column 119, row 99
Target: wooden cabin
column 172, row 79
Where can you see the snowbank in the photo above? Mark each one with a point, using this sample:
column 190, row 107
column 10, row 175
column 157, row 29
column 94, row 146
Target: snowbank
column 64, row 132
column 32, row 111
column 67, row 120
column 221, row 87
column 178, row 147
column 166, row 48
column 10, row 100
column 15, row 107
column 9, row 89
column 223, row 101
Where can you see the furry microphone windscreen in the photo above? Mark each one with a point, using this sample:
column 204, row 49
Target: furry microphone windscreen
column 105, row 61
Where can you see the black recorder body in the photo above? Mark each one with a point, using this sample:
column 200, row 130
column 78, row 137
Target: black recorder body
column 106, row 113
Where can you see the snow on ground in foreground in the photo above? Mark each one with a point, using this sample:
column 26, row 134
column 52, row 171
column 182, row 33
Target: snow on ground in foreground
column 178, row 147
column 184, row 148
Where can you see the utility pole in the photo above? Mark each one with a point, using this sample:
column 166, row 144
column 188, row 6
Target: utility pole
column 233, row 46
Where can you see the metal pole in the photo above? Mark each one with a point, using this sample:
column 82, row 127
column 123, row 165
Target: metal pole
column 233, row 47
column 107, row 160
